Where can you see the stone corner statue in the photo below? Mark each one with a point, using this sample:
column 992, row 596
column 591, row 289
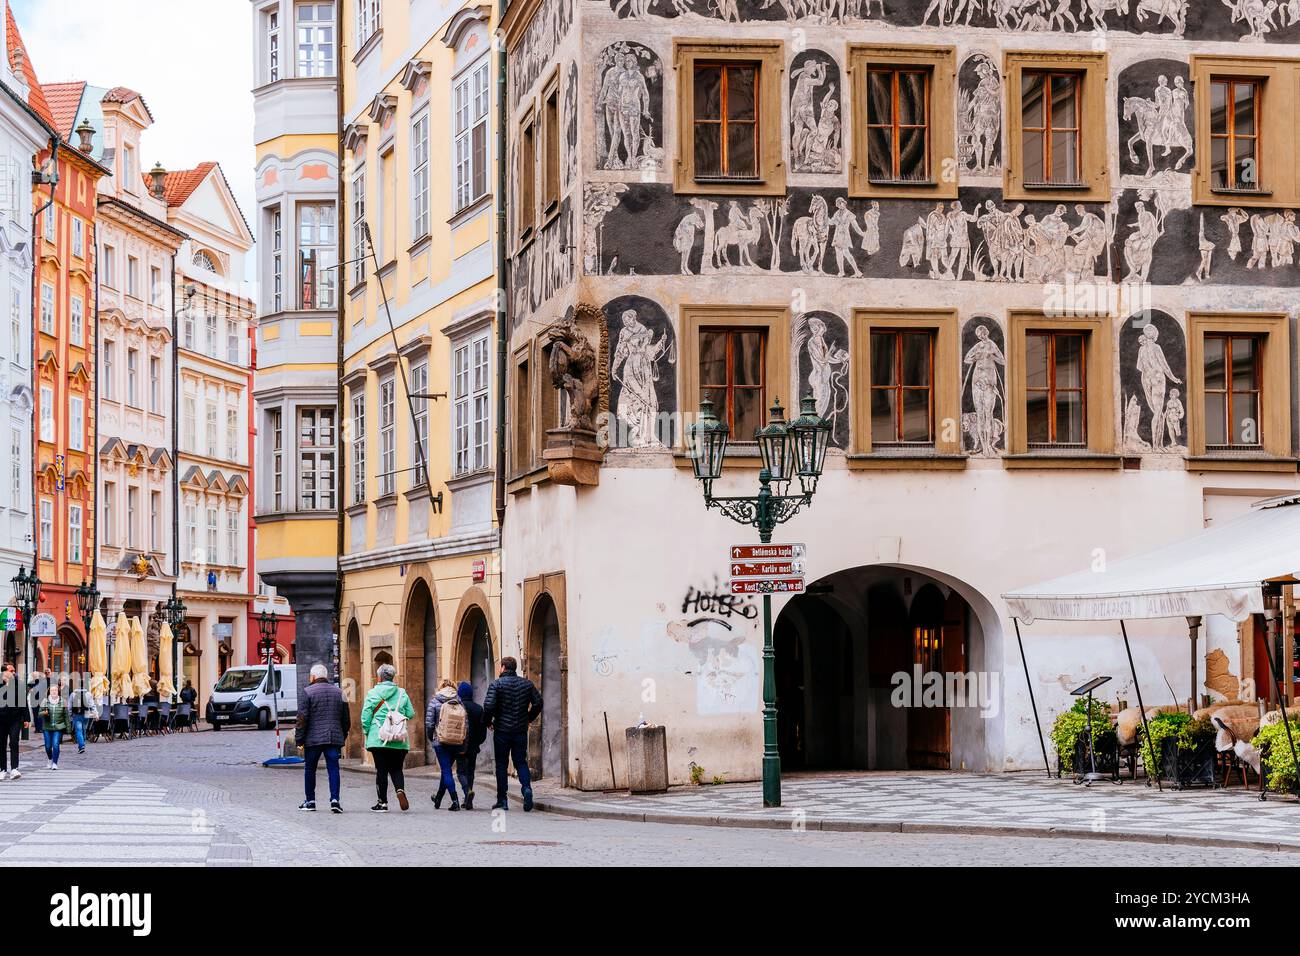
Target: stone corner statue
column 572, row 363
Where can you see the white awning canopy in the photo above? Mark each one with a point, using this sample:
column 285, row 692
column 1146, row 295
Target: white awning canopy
column 1220, row 570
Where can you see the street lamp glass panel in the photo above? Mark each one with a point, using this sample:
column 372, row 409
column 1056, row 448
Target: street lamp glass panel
column 776, row 445
column 708, row 443
column 812, row 435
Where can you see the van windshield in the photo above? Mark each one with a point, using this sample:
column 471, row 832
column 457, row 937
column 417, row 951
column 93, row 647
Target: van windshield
column 233, row 681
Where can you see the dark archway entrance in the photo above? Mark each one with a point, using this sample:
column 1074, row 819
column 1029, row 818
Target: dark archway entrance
column 866, row 664
column 351, row 678
column 420, row 657
column 546, row 744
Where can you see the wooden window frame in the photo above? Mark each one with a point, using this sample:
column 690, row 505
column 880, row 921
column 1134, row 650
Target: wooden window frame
column 774, row 319
column 727, row 414
column 1229, row 390
column 551, row 135
column 1094, row 168
column 1257, row 109
column 1051, row 125
column 900, row 388
column 944, row 172
column 523, row 460
column 1273, row 328
column 769, row 55
column 1099, row 410
column 1052, row 389
column 945, row 386
column 1279, row 97
column 526, row 223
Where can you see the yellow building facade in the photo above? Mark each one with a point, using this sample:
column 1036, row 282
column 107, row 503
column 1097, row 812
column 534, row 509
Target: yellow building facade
column 420, row 560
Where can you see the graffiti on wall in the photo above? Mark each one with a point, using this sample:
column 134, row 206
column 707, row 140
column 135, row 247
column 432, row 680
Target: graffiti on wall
column 715, row 628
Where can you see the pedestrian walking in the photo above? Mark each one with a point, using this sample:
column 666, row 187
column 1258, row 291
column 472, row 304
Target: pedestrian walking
column 512, row 703
column 475, row 734
column 56, row 721
column 383, row 719
column 446, row 725
column 82, row 705
column 323, row 724
column 189, row 695
column 14, row 716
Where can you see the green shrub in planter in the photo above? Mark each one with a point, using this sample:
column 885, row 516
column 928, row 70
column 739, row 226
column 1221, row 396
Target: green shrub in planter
column 1273, row 744
column 1188, row 733
column 1073, row 724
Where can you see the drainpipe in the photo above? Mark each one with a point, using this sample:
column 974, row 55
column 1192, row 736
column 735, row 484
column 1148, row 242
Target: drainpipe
column 342, row 463
column 502, row 318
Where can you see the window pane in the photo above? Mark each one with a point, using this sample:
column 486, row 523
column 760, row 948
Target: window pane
column 882, row 359
column 1036, row 418
column 740, row 150
column 748, row 358
column 708, row 92
column 1243, row 364
column 911, row 99
column 713, row 358
column 1244, row 108
column 748, row 413
column 1069, row 418
column 1069, row 361
column 916, row 415
column 1214, row 375
column 1245, row 173
column 740, row 93
column 880, row 99
column 1031, row 110
column 916, row 359
column 1065, row 167
column 1216, row 410
column 913, row 158
column 1034, row 157
column 1064, row 101
column 1245, row 427
column 1218, row 108
column 1219, row 164
column 883, row 427
column 880, row 154
column 1036, row 361
column 708, row 149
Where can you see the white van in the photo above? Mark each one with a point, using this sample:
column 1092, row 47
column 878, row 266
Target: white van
column 243, row 696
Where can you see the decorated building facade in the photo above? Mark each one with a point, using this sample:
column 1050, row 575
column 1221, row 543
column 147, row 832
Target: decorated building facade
column 1033, row 262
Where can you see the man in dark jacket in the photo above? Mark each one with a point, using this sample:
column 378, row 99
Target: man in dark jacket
column 323, row 724
column 475, row 734
column 14, row 717
column 512, row 703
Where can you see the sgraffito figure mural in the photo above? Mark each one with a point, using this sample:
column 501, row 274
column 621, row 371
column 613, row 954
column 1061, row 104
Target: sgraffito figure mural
column 1156, row 118
column 983, row 388
column 979, row 116
column 1153, row 369
column 570, row 163
column 642, row 372
column 821, row 347
column 629, row 107
column 815, row 114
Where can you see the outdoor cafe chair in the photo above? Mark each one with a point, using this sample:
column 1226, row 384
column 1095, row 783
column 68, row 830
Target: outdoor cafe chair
column 121, row 722
column 184, row 718
column 99, row 727
column 164, row 715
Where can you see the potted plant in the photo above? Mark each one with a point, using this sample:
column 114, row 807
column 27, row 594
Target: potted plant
column 1070, row 736
column 1278, row 767
column 1185, row 749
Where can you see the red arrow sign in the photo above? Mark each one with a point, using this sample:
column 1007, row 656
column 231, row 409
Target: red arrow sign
column 768, row 586
column 765, row 569
column 765, row 552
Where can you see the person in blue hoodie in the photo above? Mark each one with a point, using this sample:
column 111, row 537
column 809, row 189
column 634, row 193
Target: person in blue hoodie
column 476, row 734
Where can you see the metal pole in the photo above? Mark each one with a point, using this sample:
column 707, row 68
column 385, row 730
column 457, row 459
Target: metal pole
column 1141, row 707
column 1193, row 626
column 771, row 755
column 1277, row 683
column 1032, row 703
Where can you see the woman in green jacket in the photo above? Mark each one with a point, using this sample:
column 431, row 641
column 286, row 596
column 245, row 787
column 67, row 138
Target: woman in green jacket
column 389, row 754
column 56, row 722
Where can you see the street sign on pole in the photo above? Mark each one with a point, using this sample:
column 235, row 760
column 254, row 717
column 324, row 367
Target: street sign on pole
column 768, row 586
column 766, row 552
column 765, row 569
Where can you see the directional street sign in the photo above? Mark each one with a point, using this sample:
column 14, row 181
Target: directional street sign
column 766, row 552
column 765, row 569
column 768, row 586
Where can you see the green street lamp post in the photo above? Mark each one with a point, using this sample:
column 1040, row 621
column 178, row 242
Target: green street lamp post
column 27, row 595
column 789, row 450
column 174, row 608
column 87, row 600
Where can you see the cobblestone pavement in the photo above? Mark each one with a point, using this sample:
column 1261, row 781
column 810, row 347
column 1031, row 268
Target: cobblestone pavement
column 204, row 799
column 970, row 803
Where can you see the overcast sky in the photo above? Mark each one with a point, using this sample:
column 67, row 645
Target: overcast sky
column 191, row 60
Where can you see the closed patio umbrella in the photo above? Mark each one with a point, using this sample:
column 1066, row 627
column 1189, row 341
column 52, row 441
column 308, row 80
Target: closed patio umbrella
column 122, row 657
column 98, row 656
column 165, row 686
column 139, row 659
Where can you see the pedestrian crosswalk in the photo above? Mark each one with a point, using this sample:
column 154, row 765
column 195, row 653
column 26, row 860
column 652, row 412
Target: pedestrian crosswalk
column 89, row 818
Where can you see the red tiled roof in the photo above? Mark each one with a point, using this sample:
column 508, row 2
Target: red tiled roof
column 64, row 100
column 18, row 54
column 180, row 185
column 124, row 94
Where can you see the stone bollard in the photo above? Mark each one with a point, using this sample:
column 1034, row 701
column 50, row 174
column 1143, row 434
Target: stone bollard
column 647, row 759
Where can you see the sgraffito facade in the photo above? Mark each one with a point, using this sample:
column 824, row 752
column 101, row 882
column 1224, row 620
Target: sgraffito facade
column 1033, row 261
